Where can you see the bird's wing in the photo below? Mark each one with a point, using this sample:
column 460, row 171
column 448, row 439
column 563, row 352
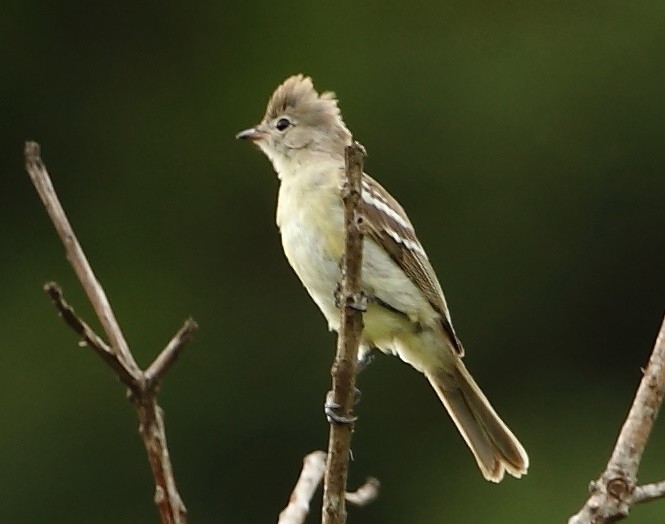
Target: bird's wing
column 387, row 223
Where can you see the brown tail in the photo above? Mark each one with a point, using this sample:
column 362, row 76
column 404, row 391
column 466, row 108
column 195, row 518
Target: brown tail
column 493, row 445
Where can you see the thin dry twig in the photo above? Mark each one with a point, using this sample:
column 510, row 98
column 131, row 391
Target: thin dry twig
column 616, row 489
column 364, row 494
column 88, row 336
column 649, row 492
column 142, row 386
column 170, row 353
column 344, row 368
column 93, row 289
column 313, row 468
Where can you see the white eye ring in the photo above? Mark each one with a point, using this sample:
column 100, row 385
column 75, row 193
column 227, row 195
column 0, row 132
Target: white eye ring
column 282, row 124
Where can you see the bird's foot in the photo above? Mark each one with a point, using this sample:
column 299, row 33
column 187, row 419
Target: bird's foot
column 337, row 294
column 331, row 409
column 358, row 301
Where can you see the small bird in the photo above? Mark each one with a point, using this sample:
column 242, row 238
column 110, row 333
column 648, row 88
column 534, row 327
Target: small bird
column 304, row 136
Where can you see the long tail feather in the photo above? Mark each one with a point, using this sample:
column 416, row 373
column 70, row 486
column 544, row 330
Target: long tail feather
column 493, row 445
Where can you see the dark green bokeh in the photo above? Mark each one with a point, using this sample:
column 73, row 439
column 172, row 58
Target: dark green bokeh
column 527, row 141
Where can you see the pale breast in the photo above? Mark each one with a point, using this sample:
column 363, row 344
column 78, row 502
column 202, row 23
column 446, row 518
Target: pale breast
column 311, row 222
column 311, row 226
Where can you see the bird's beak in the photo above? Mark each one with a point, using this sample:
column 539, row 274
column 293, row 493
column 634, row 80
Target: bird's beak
column 253, row 134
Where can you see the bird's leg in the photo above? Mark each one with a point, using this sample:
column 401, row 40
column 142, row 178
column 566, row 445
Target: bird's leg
column 365, row 357
column 330, row 407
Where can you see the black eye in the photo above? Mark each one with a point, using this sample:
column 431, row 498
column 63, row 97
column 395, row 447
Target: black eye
column 282, row 124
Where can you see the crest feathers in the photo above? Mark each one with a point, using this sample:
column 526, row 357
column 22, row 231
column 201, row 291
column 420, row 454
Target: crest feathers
column 297, row 92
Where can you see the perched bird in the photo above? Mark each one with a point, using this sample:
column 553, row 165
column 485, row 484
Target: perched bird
column 304, row 136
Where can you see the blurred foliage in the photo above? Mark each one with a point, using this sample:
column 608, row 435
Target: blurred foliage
column 527, row 141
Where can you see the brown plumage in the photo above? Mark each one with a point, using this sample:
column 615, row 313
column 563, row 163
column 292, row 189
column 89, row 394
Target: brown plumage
column 406, row 250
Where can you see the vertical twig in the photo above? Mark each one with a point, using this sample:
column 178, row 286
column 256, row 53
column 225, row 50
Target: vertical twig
column 616, row 489
column 344, row 367
column 142, row 385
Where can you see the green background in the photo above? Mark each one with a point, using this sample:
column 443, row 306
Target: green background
column 527, row 142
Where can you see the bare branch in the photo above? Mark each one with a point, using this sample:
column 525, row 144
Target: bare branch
column 142, row 385
column 171, row 508
column 93, row 289
column 88, row 336
column 365, row 494
column 170, row 353
column 313, row 468
column 615, row 491
column 314, row 465
column 649, row 492
column 344, row 368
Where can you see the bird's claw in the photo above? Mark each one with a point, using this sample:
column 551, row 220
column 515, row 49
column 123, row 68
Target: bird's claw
column 357, row 302
column 330, row 408
column 337, row 294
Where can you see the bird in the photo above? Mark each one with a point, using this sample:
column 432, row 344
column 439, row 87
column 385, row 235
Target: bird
column 304, row 136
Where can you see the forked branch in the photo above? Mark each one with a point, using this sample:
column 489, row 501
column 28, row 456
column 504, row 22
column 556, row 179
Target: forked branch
column 314, row 466
column 142, row 385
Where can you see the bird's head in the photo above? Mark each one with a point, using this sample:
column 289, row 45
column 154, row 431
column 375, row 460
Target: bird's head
column 299, row 125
